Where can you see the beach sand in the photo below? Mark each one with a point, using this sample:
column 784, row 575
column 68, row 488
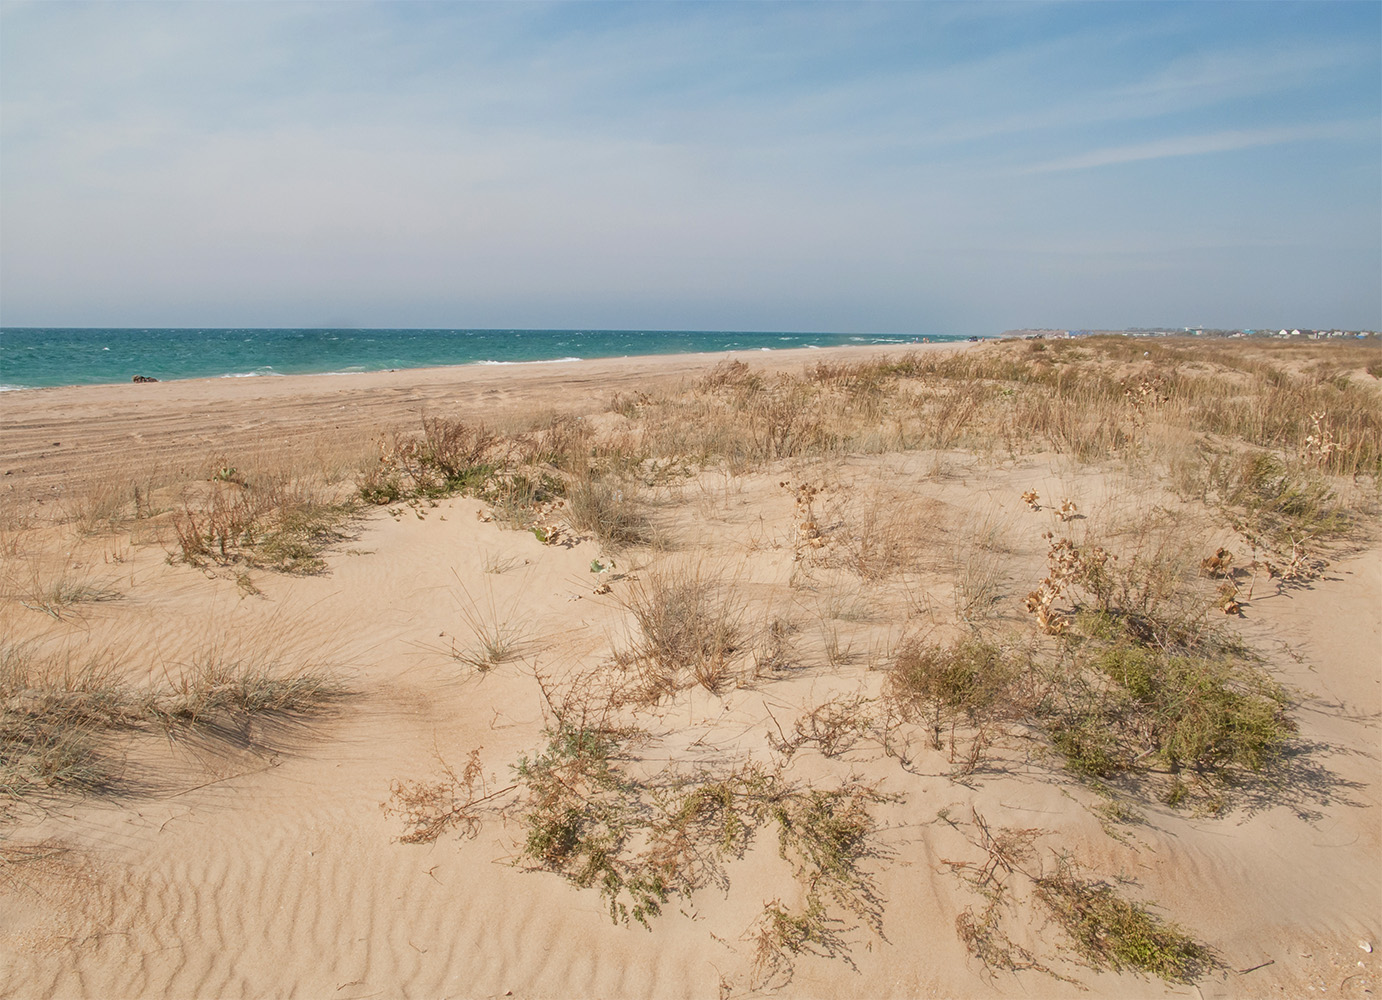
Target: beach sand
column 263, row 861
column 65, row 438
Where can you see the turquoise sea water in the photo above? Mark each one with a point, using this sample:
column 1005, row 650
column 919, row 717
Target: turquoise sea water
column 34, row 357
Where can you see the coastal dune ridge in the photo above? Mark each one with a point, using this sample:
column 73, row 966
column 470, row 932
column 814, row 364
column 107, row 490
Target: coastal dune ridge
column 966, row 670
column 107, row 425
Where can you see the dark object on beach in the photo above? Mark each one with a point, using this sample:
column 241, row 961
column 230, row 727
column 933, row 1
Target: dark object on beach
column 143, row 378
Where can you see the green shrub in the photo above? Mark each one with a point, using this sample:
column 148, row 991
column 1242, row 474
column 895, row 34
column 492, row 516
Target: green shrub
column 1112, row 932
column 1147, row 707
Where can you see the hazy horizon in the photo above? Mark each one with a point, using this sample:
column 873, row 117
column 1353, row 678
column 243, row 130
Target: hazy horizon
column 905, row 169
column 1025, row 327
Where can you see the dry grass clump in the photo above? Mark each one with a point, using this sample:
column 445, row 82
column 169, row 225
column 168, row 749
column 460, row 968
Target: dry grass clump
column 494, row 636
column 217, row 686
column 60, row 595
column 561, row 441
column 690, row 627
column 105, row 504
column 1282, row 509
column 739, row 417
column 54, row 714
column 611, row 512
column 732, row 375
column 275, row 523
column 518, row 475
column 450, row 456
column 979, row 560
column 531, row 500
column 879, row 537
column 62, row 717
column 874, row 536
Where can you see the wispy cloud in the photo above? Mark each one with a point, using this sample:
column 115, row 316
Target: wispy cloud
column 1201, row 145
column 790, row 164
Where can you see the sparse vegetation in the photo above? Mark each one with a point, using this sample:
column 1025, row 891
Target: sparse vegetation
column 1282, row 511
column 58, row 597
column 776, row 534
column 1138, row 707
column 969, row 677
column 492, row 638
column 690, row 626
column 1106, row 930
column 608, row 511
column 62, row 716
column 639, row 842
column 428, row 809
column 970, row 682
column 450, row 456
column 1109, row 931
column 279, row 524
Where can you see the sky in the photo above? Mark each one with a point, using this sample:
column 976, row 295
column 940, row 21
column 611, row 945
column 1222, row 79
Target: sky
column 914, row 168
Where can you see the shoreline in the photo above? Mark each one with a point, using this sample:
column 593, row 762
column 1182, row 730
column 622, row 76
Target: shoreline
column 59, row 439
column 773, row 358
column 269, row 371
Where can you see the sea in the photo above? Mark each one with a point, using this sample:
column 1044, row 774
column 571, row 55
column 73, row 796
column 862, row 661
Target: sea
column 32, row 357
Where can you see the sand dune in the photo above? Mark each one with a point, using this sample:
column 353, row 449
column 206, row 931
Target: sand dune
column 262, row 862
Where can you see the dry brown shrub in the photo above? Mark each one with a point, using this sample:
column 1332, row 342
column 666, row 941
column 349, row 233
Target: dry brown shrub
column 560, row 440
column 690, row 628
column 968, row 682
column 880, row 534
column 731, row 374
column 429, row 809
column 610, row 510
column 453, row 447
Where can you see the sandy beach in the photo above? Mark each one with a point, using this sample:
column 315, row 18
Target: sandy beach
column 97, row 429
column 698, row 676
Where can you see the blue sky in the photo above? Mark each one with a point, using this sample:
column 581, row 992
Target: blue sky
column 913, row 168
